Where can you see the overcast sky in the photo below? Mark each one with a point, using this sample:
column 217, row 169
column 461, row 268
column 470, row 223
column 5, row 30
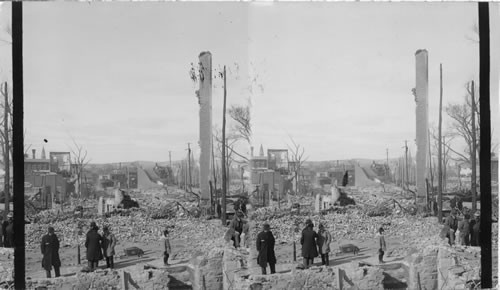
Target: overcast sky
column 337, row 77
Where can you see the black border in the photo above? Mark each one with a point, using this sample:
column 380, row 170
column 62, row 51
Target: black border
column 17, row 137
column 485, row 141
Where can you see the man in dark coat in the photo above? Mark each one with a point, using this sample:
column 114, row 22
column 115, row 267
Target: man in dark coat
column 451, row 222
column 8, row 231
column 308, row 242
column 236, row 227
column 265, row 246
column 475, row 233
column 50, row 252
column 93, row 245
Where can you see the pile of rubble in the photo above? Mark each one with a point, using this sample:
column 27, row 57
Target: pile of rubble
column 144, row 224
column 6, row 267
column 354, row 224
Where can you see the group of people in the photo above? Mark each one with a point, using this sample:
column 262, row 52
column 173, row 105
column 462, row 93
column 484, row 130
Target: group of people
column 465, row 232
column 7, row 233
column 238, row 230
column 313, row 243
column 98, row 247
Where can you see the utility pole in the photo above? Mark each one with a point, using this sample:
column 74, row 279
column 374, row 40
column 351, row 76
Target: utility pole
column 473, row 153
column 406, row 164
column 6, row 149
column 189, row 164
column 224, row 177
column 440, row 163
column 170, row 158
column 388, row 170
column 430, row 163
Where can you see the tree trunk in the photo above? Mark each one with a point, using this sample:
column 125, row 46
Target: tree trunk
column 440, row 163
column 6, row 157
column 430, row 165
column 473, row 151
column 224, row 184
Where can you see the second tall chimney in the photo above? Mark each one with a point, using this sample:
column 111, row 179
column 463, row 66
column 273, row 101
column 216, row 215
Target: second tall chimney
column 33, row 151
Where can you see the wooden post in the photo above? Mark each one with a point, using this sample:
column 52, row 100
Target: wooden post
column 79, row 256
column 124, row 280
column 294, row 252
column 340, row 279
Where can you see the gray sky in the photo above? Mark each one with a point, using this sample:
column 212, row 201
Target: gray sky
column 335, row 76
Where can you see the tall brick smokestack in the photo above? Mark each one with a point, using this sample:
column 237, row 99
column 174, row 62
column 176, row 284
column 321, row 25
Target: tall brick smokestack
column 422, row 106
column 33, row 151
column 204, row 95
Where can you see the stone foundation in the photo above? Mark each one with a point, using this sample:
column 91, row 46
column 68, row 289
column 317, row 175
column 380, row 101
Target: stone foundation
column 206, row 271
column 423, row 271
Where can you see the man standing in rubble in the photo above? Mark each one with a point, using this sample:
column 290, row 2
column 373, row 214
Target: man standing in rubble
column 265, row 247
column 108, row 247
column 236, row 226
column 475, row 233
column 219, row 209
column 308, row 242
column 50, row 252
column 463, row 228
column 8, row 231
column 93, row 245
column 451, row 223
column 324, row 239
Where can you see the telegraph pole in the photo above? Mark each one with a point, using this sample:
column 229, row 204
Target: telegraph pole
column 224, row 177
column 189, row 164
column 473, row 147
column 388, row 171
column 170, row 158
column 406, row 164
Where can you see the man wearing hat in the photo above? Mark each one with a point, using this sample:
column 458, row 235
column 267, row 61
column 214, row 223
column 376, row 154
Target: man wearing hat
column 236, row 227
column 108, row 247
column 451, row 222
column 93, row 245
column 50, row 252
column 265, row 247
column 308, row 242
column 463, row 229
column 475, row 233
column 8, row 231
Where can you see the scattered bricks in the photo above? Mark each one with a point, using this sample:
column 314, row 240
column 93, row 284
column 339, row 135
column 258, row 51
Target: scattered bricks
column 208, row 270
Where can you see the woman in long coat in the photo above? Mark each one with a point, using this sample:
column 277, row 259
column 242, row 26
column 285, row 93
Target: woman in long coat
column 324, row 239
column 93, row 245
column 108, row 246
column 265, row 247
column 308, row 242
column 50, row 252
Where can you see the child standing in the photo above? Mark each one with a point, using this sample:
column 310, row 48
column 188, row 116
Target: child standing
column 166, row 249
column 382, row 247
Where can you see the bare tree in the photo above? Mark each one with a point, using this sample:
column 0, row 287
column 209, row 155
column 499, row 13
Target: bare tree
column 297, row 157
column 446, row 157
column 6, row 142
column 242, row 128
column 466, row 125
column 461, row 126
column 80, row 160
